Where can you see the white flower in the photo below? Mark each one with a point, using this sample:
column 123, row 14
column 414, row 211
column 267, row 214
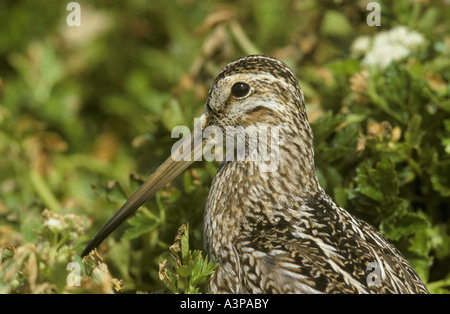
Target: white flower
column 361, row 45
column 382, row 56
column 385, row 47
column 55, row 224
column 415, row 41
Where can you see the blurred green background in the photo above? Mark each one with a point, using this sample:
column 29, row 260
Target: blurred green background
column 87, row 111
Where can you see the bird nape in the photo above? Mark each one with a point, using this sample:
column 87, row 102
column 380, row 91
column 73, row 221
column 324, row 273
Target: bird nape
column 269, row 225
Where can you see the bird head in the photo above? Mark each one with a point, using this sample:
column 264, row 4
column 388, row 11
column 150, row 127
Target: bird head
column 254, row 90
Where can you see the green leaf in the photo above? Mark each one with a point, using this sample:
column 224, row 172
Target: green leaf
column 141, row 223
column 112, row 191
column 340, row 197
column 440, row 177
column 191, row 270
column 335, row 23
column 209, row 268
column 403, row 223
column 185, row 244
column 171, row 281
column 385, row 178
column 184, row 270
column 325, row 126
column 172, row 114
column 379, row 183
column 414, row 133
column 197, row 271
column 135, row 181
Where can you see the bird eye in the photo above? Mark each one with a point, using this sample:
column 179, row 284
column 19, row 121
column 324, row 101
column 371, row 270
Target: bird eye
column 240, row 90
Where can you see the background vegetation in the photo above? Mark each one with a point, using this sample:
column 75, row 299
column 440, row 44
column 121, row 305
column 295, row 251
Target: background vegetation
column 86, row 112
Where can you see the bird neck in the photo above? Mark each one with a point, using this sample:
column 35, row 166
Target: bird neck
column 241, row 190
column 287, row 168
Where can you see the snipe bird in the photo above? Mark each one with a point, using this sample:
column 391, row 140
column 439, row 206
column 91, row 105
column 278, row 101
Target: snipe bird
column 276, row 231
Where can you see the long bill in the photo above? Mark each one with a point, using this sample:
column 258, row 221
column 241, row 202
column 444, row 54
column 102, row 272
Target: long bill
column 172, row 167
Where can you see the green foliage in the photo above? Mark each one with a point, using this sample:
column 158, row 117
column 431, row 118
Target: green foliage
column 83, row 107
column 187, row 269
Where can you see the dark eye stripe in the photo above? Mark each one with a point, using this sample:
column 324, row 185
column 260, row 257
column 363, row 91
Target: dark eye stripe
column 258, row 108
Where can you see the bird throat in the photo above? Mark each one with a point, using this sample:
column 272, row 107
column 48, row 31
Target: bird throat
column 241, row 191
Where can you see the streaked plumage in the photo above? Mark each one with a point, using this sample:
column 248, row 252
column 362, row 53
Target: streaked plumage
column 278, row 232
